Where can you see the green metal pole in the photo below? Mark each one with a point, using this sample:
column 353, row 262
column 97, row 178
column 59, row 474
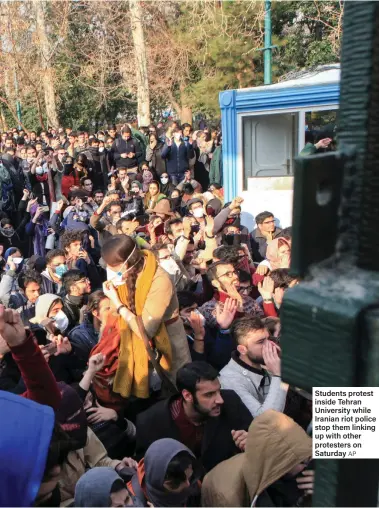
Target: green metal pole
column 267, row 49
column 18, row 103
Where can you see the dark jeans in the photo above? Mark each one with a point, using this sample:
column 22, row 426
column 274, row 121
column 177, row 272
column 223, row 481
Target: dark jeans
column 176, row 178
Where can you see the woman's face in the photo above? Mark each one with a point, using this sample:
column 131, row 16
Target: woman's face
column 153, row 189
column 135, row 189
column 157, row 222
column 145, row 167
column 164, row 175
column 175, row 194
column 55, row 308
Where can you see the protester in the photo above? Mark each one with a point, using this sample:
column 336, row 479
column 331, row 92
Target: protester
column 139, row 286
column 167, row 475
column 211, row 422
column 259, row 389
column 102, row 486
column 265, row 231
column 272, row 471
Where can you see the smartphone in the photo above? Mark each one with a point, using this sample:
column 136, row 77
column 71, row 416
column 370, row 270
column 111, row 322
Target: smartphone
column 195, row 228
column 45, row 209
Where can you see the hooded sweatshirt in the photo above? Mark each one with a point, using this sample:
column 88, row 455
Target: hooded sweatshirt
column 22, row 453
column 147, row 483
column 275, row 444
column 94, row 487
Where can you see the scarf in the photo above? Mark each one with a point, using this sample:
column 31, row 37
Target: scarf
column 272, row 253
column 127, row 360
column 147, row 177
column 40, row 232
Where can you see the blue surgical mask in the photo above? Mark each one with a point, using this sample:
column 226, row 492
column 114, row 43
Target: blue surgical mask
column 61, row 270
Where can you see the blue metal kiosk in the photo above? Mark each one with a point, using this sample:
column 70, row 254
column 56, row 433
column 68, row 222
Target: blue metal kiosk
column 263, row 129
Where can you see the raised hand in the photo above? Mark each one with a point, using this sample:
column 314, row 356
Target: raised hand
column 96, row 363
column 197, row 322
column 266, row 288
column 11, row 327
column 262, row 269
column 270, row 353
column 225, row 316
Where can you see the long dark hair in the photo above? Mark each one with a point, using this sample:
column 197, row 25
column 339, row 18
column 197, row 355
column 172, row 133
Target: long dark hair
column 118, row 249
column 94, row 301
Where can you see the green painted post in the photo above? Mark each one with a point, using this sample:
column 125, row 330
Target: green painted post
column 268, row 48
column 330, row 322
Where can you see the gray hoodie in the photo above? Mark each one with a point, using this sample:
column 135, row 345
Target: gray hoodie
column 94, row 487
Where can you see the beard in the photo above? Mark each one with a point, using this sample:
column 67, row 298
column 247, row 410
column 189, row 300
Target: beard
column 204, row 413
column 256, row 359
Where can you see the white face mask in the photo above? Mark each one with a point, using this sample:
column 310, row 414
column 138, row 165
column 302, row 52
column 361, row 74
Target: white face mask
column 164, row 180
column 198, row 213
column 61, row 321
column 101, row 149
column 170, row 266
column 39, row 170
column 117, row 277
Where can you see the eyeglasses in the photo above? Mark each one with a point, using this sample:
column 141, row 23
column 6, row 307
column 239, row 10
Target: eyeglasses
column 230, row 274
column 269, row 222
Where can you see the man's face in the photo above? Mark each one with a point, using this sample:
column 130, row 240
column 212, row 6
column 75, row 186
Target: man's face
column 38, row 147
column 125, row 136
column 164, row 254
column 245, row 288
column 54, row 143
column 57, row 261
column 82, row 287
column 88, row 185
column 31, row 153
column 72, row 139
column 23, row 153
column 185, row 312
column 186, row 131
column 253, row 347
column 207, row 400
column 112, row 133
column 268, row 225
column 226, row 277
column 177, row 230
column 99, row 196
column 189, row 254
column 122, row 174
column 8, row 143
column 81, row 139
column 33, row 136
column 32, row 291
column 95, row 144
column 61, row 154
column 115, row 213
column 74, row 248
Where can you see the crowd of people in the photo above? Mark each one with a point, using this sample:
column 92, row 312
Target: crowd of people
column 140, row 342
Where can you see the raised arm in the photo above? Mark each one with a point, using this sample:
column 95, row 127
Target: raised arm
column 38, row 378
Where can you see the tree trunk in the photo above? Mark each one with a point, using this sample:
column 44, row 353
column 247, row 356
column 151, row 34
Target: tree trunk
column 45, row 51
column 143, row 94
column 186, row 115
column 4, row 126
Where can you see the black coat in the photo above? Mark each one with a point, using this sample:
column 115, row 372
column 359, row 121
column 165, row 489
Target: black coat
column 97, row 168
column 218, row 445
column 121, row 146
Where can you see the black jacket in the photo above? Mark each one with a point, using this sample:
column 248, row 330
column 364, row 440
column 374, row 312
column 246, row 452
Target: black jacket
column 218, row 445
column 97, row 167
column 258, row 244
column 121, row 146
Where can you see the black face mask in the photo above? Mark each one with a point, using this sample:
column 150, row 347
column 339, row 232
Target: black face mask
column 231, row 239
column 176, row 202
column 68, row 167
